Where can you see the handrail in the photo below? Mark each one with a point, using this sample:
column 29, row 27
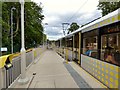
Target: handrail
column 3, row 60
column 10, row 56
column 10, row 65
column 29, row 50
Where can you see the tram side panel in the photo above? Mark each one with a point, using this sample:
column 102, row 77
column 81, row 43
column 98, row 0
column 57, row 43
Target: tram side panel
column 104, row 41
column 108, row 74
column 104, row 72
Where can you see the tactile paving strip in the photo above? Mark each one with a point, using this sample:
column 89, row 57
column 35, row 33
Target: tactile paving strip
column 78, row 79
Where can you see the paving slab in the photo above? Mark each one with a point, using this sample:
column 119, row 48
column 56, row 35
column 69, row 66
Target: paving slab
column 91, row 81
column 50, row 73
column 45, row 84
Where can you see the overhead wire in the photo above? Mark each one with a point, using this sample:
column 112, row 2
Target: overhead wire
column 76, row 12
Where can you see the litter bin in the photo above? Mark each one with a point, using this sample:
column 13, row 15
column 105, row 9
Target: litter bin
column 8, row 64
column 9, row 73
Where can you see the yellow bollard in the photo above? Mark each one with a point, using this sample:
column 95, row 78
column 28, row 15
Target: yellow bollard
column 66, row 56
column 79, row 48
column 35, row 53
column 78, row 56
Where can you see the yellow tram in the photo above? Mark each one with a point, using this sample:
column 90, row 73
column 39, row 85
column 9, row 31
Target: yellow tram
column 96, row 48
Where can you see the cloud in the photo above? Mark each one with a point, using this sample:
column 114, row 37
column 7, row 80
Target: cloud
column 53, row 31
column 67, row 11
column 55, row 26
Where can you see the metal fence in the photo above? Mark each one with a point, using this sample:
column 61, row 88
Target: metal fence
column 8, row 76
column 38, row 51
column 29, row 56
column 12, row 73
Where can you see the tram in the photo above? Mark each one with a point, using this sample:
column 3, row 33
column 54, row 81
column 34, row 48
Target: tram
column 96, row 48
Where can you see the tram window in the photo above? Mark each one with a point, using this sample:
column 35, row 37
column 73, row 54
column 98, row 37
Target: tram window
column 110, row 50
column 90, row 46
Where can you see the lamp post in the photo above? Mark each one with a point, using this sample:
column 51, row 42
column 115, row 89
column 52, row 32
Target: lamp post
column 23, row 79
column 12, row 28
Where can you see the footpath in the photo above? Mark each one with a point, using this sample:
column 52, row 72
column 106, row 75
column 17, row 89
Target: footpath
column 51, row 71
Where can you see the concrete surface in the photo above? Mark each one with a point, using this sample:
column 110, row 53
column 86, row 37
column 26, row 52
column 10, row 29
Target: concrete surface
column 52, row 73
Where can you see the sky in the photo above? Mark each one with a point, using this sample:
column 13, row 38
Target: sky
column 57, row 12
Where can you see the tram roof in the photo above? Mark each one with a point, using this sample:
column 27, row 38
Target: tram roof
column 103, row 21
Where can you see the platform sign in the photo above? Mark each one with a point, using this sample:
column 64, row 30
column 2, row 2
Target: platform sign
column 3, row 49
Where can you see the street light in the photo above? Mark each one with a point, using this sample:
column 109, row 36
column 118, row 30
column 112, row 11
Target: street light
column 23, row 79
column 12, row 28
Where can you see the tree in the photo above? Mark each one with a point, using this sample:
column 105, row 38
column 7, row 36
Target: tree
column 33, row 27
column 74, row 26
column 108, row 7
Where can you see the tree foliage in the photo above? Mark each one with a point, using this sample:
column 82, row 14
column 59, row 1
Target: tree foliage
column 108, row 7
column 33, row 27
column 74, row 26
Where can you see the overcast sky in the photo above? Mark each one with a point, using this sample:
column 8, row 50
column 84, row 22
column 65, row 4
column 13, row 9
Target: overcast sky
column 66, row 11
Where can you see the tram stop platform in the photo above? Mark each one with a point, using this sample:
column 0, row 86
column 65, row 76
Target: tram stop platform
column 51, row 71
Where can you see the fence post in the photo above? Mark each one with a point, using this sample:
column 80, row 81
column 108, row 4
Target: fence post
column 2, row 77
column 64, row 53
column 33, row 55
